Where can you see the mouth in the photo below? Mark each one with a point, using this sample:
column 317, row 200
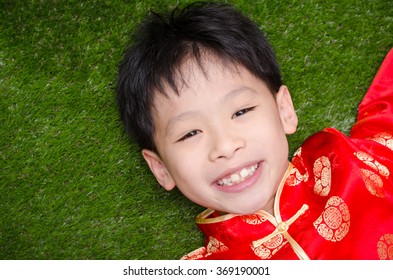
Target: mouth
column 238, row 177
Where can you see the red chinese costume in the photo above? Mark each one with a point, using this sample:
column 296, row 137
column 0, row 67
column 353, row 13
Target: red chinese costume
column 334, row 202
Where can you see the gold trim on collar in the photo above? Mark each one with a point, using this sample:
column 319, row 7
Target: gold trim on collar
column 281, row 226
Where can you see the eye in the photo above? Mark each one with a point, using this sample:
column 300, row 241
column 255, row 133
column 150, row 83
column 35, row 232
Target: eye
column 242, row 112
column 190, row 134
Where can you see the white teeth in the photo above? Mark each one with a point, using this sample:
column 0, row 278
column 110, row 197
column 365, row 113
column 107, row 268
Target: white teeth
column 244, row 173
column 238, row 177
column 235, row 178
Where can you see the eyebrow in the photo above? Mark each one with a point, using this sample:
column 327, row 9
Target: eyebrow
column 236, row 92
column 180, row 118
column 194, row 114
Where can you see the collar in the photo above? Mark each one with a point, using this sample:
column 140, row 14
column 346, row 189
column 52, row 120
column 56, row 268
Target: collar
column 210, row 216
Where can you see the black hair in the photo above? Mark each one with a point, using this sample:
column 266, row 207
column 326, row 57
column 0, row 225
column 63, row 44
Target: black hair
column 164, row 41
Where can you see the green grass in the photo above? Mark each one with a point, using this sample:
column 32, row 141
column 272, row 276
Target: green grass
column 72, row 184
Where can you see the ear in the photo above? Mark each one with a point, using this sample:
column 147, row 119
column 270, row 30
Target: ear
column 286, row 110
column 159, row 170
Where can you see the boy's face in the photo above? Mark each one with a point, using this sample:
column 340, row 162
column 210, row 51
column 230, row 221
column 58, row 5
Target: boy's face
column 222, row 142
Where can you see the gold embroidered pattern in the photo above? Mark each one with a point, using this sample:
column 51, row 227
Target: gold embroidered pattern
column 333, row 224
column 215, row 246
column 253, row 219
column 196, row 254
column 298, row 152
column 322, row 172
column 372, row 180
column 267, row 249
column 373, row 183
column 295, row 177
column 385, row 247
column 370, row 161
column 384, row 139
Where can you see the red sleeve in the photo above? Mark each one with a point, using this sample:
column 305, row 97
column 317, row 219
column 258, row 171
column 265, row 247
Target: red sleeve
column 373, row 132
column 376, row 109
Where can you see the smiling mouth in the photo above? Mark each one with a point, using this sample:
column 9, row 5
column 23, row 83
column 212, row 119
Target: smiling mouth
column 238, row 177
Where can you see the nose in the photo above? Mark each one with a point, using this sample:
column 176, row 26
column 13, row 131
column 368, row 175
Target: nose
column 225, row 144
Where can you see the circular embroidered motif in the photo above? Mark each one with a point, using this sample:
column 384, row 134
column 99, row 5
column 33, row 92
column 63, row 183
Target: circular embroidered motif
column 215, row 246
column 373, row 183
column 370, row 161
column 267, row 249
column 385, row 139
column 262, row 252
column 295, row 178
column 253, row 219
column 322, row 173
column 385, row 247
column 332, row 217
column 196, row 254
column 274, row 242
column 364, row 157
column 298, row 152
column 333, row 223
column 383, row 170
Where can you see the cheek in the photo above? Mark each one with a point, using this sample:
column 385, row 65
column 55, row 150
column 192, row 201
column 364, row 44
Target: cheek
column 278, row 142
column 185, row 165
column 272, row 138
column 190, row 180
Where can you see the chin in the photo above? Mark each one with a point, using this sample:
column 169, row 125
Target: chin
column 253, row 208
column 246, row 211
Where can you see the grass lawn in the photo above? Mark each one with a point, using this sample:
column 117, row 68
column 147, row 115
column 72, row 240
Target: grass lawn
column 72, row 185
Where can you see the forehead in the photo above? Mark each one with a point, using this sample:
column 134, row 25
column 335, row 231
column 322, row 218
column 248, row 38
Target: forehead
column 194, row 71
column 208, row 76
column 192, row 77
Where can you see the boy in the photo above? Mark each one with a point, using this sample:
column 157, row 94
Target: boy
column 200, row 92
